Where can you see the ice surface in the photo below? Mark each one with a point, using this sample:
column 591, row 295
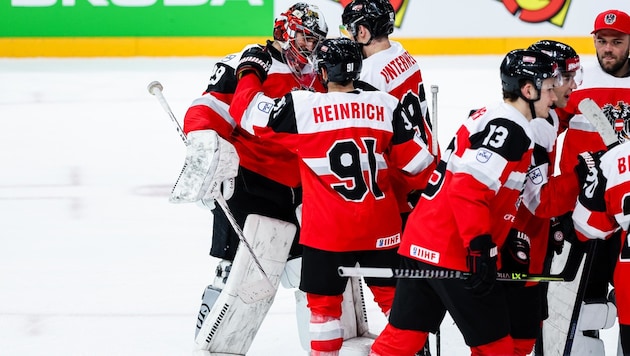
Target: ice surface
column 93, row 259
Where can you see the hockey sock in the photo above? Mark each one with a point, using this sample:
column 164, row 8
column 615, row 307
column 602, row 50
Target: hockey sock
column 523, row 347
column 384, row 297
column 395, row 342
column 325, row 325
column 503, row 346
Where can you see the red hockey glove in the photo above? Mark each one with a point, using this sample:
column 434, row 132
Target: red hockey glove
column 254, row 59
column 482, row 263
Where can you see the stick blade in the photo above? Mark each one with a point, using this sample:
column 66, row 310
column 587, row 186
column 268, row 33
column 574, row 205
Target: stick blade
column 593, row 113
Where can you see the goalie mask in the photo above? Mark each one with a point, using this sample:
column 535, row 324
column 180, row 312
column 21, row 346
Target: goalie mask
column 299, row 31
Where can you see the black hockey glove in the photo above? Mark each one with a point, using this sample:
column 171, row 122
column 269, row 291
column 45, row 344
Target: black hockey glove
column 515, row 254
column 254, row 59
column 482, row 263
column 592, row 181
column 561, row 230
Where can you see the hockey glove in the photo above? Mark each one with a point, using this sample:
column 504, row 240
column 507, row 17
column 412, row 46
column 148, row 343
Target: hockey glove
column 254, row 59
column 592, row 181
column 482, row 263
column 515, row 254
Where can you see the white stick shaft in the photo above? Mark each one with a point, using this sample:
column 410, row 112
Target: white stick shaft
column 434, row 115
column 155, row 88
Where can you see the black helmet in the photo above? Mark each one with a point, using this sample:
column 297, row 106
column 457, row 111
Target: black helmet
column 564, row 55
column 377, row 15
column 341, row 57
column 520, row 65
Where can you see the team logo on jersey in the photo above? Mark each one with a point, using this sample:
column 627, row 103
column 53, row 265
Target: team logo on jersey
column 483, row 155
column 424, row 254
column 535, row 176
column 619, row 117
column 388, row 241
column 265, row 106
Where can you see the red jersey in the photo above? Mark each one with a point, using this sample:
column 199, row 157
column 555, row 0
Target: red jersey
column 474, row 191
column 612, row 94
column 604, row 207
column 210, row 111
column 396, row 72
column 345, row 141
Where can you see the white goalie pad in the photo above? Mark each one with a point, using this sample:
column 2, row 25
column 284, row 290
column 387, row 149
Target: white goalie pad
column 356, row 334
column 231, row 324
column 561, row 300
column 210, row 161
column 597, row 316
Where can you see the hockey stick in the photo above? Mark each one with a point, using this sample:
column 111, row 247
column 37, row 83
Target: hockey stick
column 376, row 272
column 436, row 151
column 434, row 123
column 251, row 292
column 593, row 113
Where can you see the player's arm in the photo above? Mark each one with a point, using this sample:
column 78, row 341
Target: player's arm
column 409, row 150
column 210, row 111
column 494, row 160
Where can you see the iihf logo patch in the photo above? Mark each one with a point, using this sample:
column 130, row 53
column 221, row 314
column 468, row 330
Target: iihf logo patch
column 535, row 176
column 265, row 106
column 483, row 155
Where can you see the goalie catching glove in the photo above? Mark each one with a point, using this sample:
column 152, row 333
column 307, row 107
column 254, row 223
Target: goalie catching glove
column 482, row 263
column 254, row 59
column 210, row 167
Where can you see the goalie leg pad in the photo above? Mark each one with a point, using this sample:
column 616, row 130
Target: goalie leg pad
column 596, row 316
column 587, row 346
column 210, row 160
column 357, row 337
column 232, row 324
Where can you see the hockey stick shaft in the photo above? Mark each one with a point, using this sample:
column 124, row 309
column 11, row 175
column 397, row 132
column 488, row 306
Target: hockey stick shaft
column 375, row 272
column 434, row 116
column 155, row 88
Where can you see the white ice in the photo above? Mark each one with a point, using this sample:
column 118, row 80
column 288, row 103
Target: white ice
column 93, row 259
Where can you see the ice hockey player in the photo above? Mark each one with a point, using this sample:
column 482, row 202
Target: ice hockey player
column 268, row 183
column 529, row 244
column 601, row 211
column 345, row 139
column 475, row 187
column 608, row 84
column 390, row 68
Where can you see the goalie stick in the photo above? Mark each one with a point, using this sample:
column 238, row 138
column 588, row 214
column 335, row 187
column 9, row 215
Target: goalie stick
column 251, row 292
column 383, row 272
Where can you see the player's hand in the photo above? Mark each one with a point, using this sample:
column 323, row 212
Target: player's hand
column 256, row 60
column 515, row 253
column 482, row 264
column 587, row 167
column 592, row 181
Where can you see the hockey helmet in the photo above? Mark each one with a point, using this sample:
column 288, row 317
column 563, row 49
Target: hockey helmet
column 565, row 56
column 341, row 57
column 300, row 18
column 521, row 65
column 377, row 15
